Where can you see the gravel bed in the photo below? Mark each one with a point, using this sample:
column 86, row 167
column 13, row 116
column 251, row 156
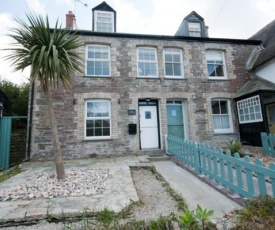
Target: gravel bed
column 156, row 201
column 45, row 184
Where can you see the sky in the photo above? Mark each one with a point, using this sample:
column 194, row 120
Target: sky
column 238, row 19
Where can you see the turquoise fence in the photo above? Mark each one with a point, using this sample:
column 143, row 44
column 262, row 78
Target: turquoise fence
column 268, row 143
column 5, row 140
column 240, row 175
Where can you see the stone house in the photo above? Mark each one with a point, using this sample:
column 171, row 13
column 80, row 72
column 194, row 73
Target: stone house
column 138, row 88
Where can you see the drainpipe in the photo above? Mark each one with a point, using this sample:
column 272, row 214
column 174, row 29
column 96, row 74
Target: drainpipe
column 28, row 152
column 1, row 108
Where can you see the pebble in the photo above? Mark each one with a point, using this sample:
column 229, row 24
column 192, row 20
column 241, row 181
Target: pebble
column 45, row 184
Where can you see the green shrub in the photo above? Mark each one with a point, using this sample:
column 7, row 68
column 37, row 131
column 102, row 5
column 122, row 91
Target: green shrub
column 235, row 146
column 258, row 213
column 196, row 220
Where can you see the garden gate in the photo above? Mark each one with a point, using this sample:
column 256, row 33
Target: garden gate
column 5, row 140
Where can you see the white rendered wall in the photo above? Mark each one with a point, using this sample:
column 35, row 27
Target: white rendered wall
column 267, row 71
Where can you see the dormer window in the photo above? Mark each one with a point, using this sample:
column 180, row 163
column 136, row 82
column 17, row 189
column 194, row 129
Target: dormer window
column 104, row 18
column 104, row 21
column 194, row 29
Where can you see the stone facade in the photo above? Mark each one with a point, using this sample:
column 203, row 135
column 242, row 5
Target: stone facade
column 124, row 89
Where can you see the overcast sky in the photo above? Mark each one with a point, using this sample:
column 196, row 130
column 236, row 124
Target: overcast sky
column 238, row 19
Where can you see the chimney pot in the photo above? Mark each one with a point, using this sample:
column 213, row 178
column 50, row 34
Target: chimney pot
column 70, row 18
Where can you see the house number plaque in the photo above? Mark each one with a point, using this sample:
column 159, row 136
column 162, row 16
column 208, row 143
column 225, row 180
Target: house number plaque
column 131, row 112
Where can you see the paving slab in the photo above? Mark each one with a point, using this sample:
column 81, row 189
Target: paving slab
column 194, row 190
column 118, row 194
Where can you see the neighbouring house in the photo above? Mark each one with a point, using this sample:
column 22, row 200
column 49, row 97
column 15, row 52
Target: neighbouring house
column 256, row 98
column 4, row 101
column 138, row 88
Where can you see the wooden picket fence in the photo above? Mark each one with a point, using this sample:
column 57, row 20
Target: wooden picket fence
column 268, row 143
column 238, row 174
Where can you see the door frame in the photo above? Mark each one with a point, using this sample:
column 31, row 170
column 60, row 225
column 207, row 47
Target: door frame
column 149, row 102
column 267, row 121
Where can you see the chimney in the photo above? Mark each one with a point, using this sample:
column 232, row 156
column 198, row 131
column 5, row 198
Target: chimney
column 206, row 31
column 70, row 20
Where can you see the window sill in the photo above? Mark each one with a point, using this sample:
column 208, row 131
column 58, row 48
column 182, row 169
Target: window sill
column 229, row 133
column 175, row 78
column 88, row 76
column 218, row 79
column 157, row 78
column 97, row 140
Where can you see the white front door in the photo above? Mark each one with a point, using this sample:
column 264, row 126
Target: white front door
column 149, row 136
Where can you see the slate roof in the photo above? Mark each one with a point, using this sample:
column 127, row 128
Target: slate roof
column 194, row 14
column 4, row 99
column 267, row 36
column 254, row 84
column 104, row 7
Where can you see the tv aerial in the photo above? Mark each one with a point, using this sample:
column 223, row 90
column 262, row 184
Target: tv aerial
column 83, row 3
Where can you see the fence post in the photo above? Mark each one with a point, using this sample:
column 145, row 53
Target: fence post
column 197, row 159
column 166, row 144
column 5, row 139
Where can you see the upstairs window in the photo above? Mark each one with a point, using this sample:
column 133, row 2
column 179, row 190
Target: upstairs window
column 194, row 29
column 249, row 110
column 98, row 119
column 147, row 62
column 173, row 63
column 97, row 60
column 216, row 64
column 221, row 114
column 104, row 21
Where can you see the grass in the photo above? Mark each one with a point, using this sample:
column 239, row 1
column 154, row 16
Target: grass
column 10, row 173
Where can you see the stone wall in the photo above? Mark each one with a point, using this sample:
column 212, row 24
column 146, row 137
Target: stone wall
column 18, row 142
column 124, row 89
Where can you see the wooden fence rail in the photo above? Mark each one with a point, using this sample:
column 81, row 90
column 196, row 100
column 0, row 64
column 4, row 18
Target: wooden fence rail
column 240, row 175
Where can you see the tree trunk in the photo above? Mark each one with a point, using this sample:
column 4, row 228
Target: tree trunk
column 58, row 158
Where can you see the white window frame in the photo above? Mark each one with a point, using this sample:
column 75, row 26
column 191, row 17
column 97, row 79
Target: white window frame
column 222, row 55
column 98, row 60
column 155, row 62
column 248, row 108
column 97, row 118
column 194, row 29
column 173, row 51
column 97, row 21
column 229, row 114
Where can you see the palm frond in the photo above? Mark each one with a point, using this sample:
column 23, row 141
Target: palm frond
column 51, row 53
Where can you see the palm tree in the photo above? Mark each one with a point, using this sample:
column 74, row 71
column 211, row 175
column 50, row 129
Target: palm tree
column 51, row 55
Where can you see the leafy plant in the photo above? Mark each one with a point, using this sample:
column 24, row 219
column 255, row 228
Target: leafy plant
column 18, row 96
column 202, row 215
column 234, row 146
column 188, row 220
column 196, row 220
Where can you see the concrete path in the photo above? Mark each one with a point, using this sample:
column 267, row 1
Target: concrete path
column 194, row 190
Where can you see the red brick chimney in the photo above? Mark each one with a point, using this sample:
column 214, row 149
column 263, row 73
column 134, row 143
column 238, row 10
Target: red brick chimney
column 70, row 20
